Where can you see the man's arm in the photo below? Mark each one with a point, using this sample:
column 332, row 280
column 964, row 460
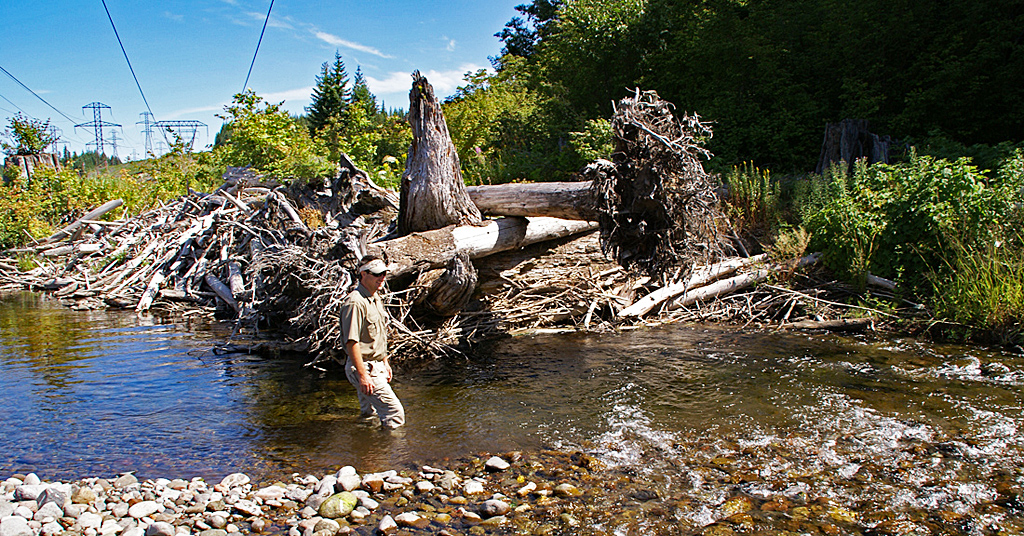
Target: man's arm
column 356, row 355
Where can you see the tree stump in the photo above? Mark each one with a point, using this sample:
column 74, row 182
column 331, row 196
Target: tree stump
column 849, row 141
column 432, row 194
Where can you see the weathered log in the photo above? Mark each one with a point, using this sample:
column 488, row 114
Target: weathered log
column 222, row 290
column 235, row 282
column 91, row 215
column 432, row 194
column 432, row 249
column 727, row 286
column 151, row 291
column 842, row 324
column 701, row 276
column 566, row 200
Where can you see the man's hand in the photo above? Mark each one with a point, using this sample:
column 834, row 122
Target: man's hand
column 365, row 384
column 387, row 368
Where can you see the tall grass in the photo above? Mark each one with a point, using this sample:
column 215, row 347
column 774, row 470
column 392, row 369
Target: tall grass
column 754, row 199
column 982, row 287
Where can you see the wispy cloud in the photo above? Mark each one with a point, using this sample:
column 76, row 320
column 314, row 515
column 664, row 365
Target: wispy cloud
column 451, row 45
column 445, row 82
column 176, row 17
column 274, row 22
column 299, row 94
column 334, row 40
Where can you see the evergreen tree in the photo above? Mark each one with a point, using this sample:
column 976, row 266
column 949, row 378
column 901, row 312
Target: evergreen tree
column 361, row 95
column 331, row 95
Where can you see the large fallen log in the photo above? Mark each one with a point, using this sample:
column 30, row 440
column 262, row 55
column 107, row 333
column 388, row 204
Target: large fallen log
column 432, row 249
column 566, row 200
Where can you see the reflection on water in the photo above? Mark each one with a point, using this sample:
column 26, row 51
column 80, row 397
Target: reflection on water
column 862, row 421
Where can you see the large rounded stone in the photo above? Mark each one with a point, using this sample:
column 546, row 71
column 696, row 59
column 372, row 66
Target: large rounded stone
column 143, row 509
column 235, row 479
column 494, row 507
column 15, row 526
column 327, row 525
column 83, row 495
column 338, row 505
column 496, row 464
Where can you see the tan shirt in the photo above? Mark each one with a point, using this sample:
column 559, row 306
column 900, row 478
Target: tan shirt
column 364, row 320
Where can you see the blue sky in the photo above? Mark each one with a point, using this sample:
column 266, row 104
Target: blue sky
column 192, row 57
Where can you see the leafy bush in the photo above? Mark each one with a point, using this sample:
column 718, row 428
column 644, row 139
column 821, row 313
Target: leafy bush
column 895, row 220
column 266, row 137
column 29, row 136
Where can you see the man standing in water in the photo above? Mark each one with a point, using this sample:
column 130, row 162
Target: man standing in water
column 364, row 332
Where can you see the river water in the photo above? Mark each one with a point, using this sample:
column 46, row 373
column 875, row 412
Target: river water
column 888, row 428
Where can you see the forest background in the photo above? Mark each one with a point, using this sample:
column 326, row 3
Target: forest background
column 943, row 80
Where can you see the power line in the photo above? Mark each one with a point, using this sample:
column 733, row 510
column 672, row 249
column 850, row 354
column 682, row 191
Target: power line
column 12, row 104
column 258, row 46
column 34, row 93
column 137, row 84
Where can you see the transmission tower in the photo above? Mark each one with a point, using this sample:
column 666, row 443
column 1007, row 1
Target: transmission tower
column 183, row 130
column 147, row 129
column 113, row 143
column 97, row 124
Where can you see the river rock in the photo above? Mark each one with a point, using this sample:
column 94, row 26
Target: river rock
column 143, row 509
column 494, row 507
column 372, row 482
column 15, row 526
column 473, row 487
column 271, row 493
column 6, row 508
column 125, row 480
column 52, row 495
column 234, row 480
column 48, row 512
column 28, row 492
column 424, row 486
column 248, row 507
column 338, row 505
column 214, row 532
column 327, row 486
column 51, row 529
column 387, row 525
column 89, row 520
column 411, row 519
column 495, row 464
column 31, row 479
column 160, row 528
column 448, row 480
column 349, row 482
column 567, row 490
column 328, row 525
column 736, row 505
column 216, row 520
column 83, row 495
column 133, row 531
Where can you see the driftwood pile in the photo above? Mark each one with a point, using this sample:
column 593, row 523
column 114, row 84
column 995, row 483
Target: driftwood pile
column 278, row 259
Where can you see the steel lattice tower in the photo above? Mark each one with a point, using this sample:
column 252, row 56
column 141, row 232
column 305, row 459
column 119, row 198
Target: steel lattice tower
column 97, row 124
column 184, row 130
column 147, row 129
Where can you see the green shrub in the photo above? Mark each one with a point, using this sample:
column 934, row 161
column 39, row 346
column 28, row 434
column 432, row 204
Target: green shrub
column 266, row 137
column 894, row 220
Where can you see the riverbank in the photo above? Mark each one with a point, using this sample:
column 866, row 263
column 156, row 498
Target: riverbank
column 543, row 493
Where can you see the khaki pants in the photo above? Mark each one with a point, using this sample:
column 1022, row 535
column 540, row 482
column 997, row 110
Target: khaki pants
column 382, row 402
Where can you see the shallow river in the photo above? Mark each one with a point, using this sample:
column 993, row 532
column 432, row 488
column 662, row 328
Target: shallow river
column 873, row 425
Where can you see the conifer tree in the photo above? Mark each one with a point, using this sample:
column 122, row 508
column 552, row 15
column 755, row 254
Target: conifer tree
column 330, row 95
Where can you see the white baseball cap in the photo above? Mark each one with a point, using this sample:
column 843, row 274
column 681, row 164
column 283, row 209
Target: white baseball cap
column 376, row 267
